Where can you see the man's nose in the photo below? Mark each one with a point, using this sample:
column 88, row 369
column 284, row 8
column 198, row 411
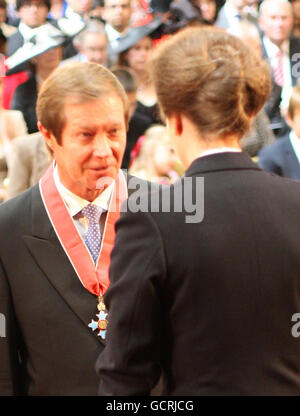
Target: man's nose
column 102, row 147
column 98, row 57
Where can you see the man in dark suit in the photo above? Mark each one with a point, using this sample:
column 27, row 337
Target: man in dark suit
column 53, row 271
column 33, row 14
column 92, row 44
column 283, row 156
column 280, row 158
column 281, row 51
column 117, row 14
column 207, row 283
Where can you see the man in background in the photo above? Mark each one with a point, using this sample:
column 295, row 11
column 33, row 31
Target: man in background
column 117, row 14
column 276, row 22
column 33, row 14
column 92, row 44
column 283, row 156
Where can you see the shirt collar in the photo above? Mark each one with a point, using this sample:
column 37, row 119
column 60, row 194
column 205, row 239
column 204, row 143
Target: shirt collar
column 75, row 203
column 273, row 49
column 219, row 150
column 113, row 34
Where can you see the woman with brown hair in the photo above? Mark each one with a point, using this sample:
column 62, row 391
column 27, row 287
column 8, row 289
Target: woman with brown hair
column 134, row 52
column 205, row 276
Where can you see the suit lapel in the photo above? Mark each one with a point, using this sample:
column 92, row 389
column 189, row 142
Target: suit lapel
column 52, row 260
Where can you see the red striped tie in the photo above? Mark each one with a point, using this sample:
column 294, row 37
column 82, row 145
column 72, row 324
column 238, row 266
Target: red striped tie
column 278, row 72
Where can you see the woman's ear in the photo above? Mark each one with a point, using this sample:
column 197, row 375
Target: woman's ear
column 175, row 124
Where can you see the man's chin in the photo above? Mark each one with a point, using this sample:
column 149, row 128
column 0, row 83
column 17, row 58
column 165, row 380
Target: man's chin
column 104, row 182
column 101, row 179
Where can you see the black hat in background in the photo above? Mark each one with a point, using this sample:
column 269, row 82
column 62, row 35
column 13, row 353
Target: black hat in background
column 46, row 37
column 134, row 34
column 160, row 6
column 182, row 12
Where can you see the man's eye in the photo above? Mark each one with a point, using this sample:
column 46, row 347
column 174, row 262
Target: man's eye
column 86, row 134
column 113, row 131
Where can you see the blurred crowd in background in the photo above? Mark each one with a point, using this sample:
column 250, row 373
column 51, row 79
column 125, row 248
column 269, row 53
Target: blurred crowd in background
column 36, row 36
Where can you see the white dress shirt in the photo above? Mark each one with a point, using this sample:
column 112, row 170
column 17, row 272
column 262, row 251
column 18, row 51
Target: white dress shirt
column 75, row 203
column 113, row 35
column 272, row 51
column 232, row 14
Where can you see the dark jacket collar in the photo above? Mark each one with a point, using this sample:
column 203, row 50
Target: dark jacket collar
column 221, row 161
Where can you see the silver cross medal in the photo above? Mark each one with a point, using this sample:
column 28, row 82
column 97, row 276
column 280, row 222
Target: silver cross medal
column 102, row 322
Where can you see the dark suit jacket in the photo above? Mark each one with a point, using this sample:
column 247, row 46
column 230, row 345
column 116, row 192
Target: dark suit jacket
column 14, row 42
column 209, row 303
column 280, row 158
column 49, row 348
column 46, row 307
column 24, row 100
column 272, row 107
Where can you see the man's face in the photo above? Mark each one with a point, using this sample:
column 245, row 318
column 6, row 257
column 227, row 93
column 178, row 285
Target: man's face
column 34, row 13
column 117, row 13
column 94, row 47
column 92, row 144
column 277, row 21
column 80, row 6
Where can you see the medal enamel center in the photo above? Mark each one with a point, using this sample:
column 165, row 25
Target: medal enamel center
column 101, row 323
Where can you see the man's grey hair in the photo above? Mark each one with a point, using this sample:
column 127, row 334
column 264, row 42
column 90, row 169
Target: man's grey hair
column 92, row 26
column 266, row 3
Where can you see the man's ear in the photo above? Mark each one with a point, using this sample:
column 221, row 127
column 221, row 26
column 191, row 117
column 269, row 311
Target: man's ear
column 48, row 136
column 76, row 44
